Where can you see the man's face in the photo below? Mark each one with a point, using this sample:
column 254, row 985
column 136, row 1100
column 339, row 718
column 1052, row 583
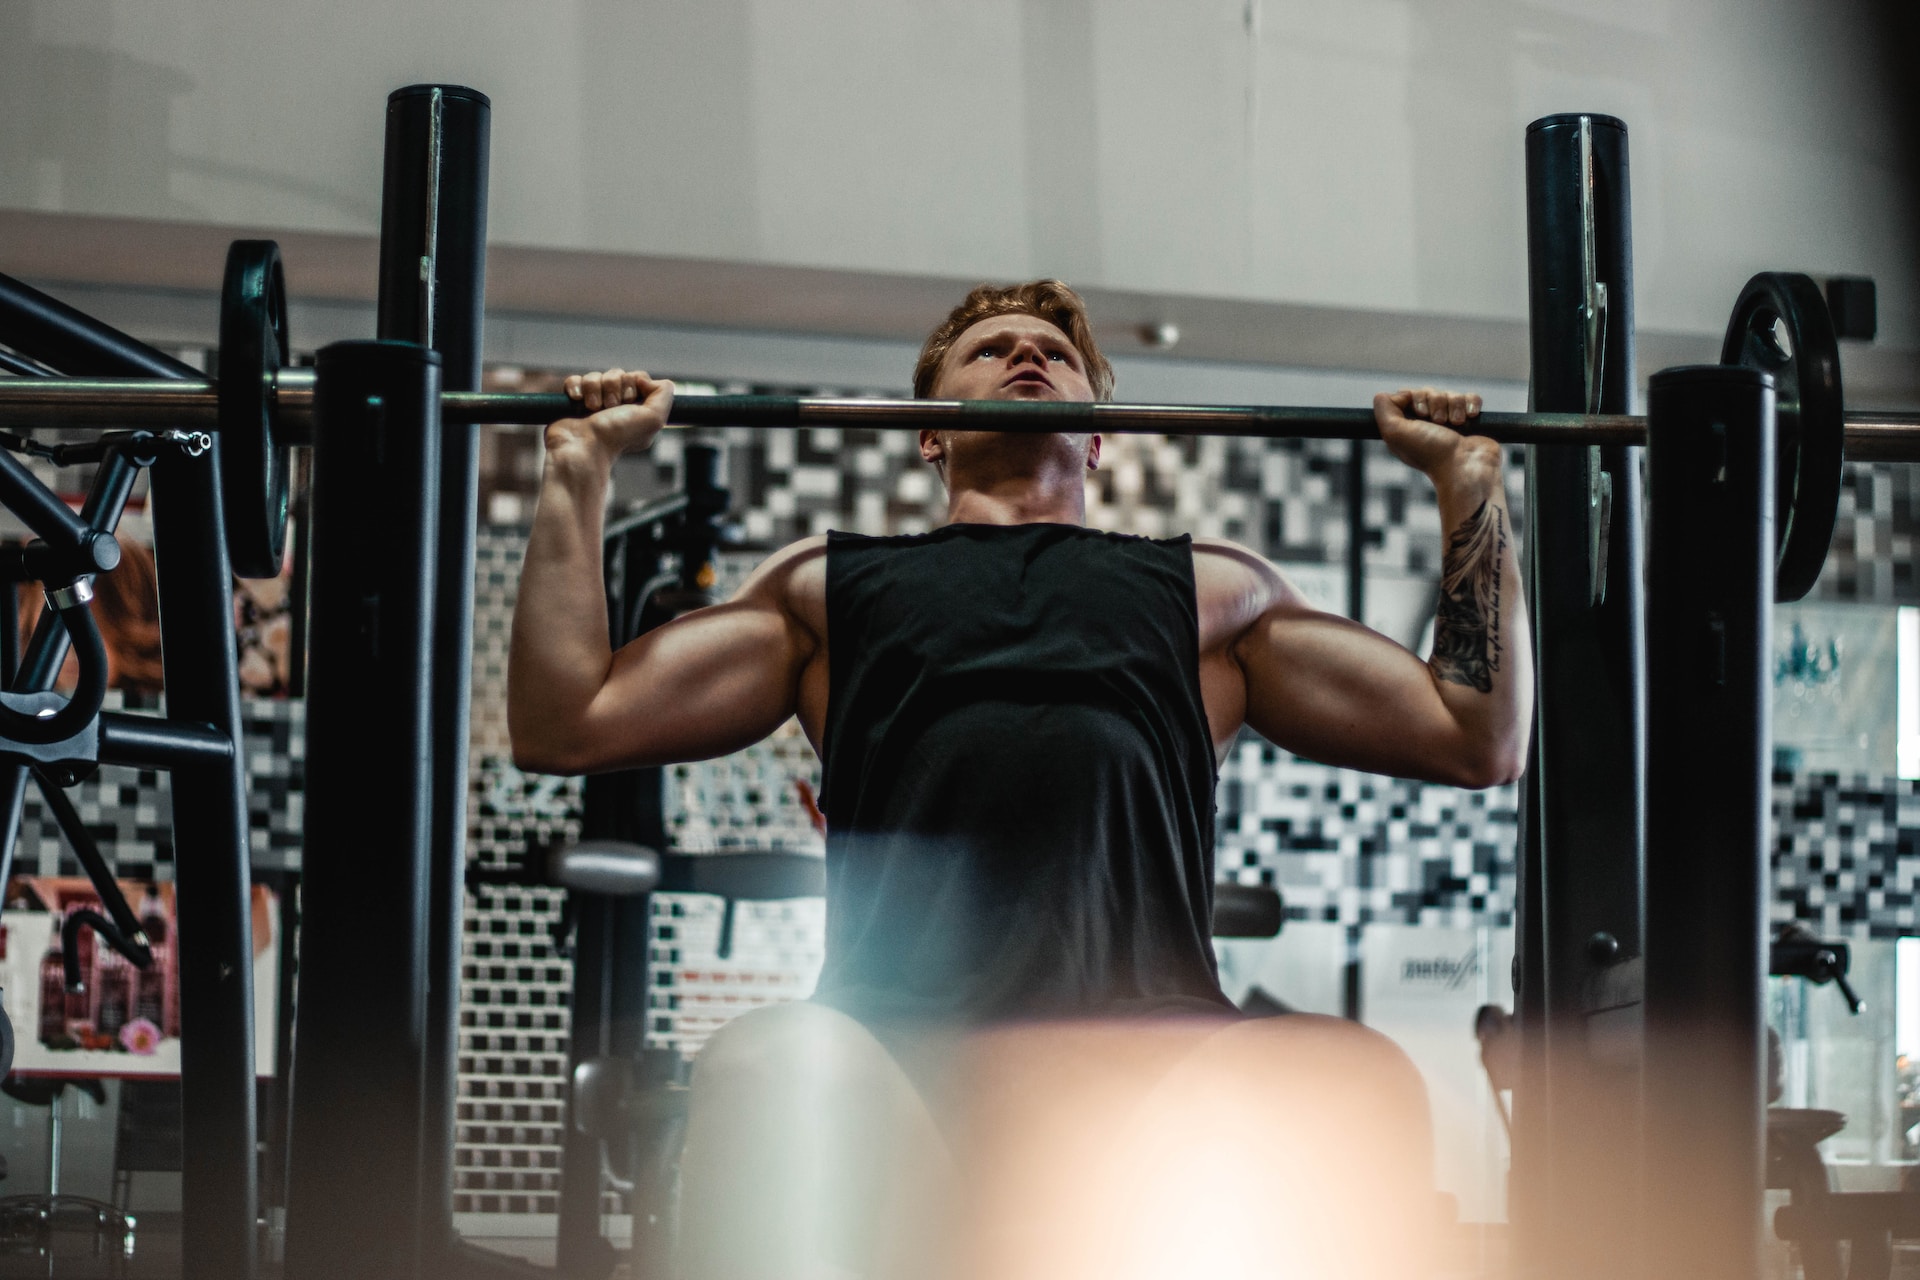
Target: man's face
column 1014, row 357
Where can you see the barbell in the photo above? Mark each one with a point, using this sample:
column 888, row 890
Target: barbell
column 260, row 406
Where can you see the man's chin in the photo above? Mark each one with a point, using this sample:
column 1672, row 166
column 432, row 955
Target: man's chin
column 1030, row 391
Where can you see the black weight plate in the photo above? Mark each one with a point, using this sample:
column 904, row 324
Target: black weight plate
column 253, row 348
column 6, row 1044
column 1812, row 424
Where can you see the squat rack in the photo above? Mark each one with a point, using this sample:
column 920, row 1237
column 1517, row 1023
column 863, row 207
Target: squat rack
column 394, row 514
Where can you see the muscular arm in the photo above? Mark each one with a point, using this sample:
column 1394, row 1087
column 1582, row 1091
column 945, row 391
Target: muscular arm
column 705, row 684
column 1330, row 689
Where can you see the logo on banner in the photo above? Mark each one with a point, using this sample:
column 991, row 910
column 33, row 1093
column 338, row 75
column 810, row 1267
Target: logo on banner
column 1443, row 973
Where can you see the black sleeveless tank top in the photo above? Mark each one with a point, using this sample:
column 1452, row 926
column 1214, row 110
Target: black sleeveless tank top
column 1018, row 779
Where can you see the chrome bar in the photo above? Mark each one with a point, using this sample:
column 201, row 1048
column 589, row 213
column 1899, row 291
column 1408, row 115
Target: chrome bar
column 1876, row 436
column 107, row 402
column 1872, row 436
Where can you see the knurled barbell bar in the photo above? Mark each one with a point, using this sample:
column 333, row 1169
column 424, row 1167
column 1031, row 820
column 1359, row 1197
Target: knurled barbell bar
column 135, row 402
column 259, row 407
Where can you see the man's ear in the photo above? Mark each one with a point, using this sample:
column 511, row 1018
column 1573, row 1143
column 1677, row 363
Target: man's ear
column 932, row 448
column 1093, row 453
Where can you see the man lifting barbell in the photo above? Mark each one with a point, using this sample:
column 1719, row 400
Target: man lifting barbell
column 1020, row 720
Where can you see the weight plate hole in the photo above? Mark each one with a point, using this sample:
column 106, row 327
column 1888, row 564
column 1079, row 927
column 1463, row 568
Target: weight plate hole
column 1774, row 333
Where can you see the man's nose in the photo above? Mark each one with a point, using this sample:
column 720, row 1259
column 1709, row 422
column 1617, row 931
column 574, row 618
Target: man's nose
column 1027, row 351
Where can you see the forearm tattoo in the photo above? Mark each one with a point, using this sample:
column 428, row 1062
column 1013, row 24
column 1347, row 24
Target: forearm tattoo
column 1467, row 644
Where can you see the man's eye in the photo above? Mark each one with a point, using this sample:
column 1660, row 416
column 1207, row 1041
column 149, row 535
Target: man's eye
column 983, row 353
column 1059, row 355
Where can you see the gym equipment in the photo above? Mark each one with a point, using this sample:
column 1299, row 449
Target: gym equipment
column 1779, row 326
column 197, row 740
column 1819, row 1218
column 1797, row 953
column 1710, row 570
column 1807, row 399
column 1247, row 911
column 253, row 336
column 1574, row 1194
column 383, row 1061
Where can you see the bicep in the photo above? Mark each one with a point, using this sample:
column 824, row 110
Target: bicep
column 708, row 683
column 1334, row 691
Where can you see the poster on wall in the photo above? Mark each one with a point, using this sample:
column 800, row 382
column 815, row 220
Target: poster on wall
column 1836, row 688
column 121, row 1020
column 1422, row 987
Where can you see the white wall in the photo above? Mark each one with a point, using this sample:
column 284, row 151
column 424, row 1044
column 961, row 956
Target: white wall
column 1365, row 154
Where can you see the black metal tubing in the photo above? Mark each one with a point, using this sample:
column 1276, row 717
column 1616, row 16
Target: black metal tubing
column 78, row 711
column 1710, row 465
column 609, row 998
column 433, row 249
column 1576, row 1203
column 87, row 853
column 218, row 1180
column 35, row 670
column 38, row 506
column 212, row 871
column 37, row 562
column 92, row 550
column 47, row 330
column 9, row 635
column 302, row 519
column 150, row 742
column 130, row 943
column 354, row 1166
column 14, row 363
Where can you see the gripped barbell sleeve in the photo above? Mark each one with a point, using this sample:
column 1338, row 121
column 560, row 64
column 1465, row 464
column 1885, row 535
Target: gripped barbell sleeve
column 1872, row 435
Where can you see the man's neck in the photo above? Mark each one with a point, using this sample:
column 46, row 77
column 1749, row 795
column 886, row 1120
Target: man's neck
column 1027, row 503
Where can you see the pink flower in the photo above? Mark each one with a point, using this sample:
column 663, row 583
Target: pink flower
column 140, row 1036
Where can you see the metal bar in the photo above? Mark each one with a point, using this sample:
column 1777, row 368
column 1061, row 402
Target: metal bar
column 1574, row 1168
column 150, row 742
column 12, row 362
column 1873, row 435
column 86, row 851
column 9, row 638
column 302, row 519
column 1709, row 690
column 433, row 239
column 53, row 333
column 358, row 1055
column 38, row 506
column 212, row 868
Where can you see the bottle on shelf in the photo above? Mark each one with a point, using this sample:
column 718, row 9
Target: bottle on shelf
column 53, row 990
column 150, row 986
column 80, row 1000
column 113, row 992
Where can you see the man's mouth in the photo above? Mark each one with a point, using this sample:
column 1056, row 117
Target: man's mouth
column 1028, row 376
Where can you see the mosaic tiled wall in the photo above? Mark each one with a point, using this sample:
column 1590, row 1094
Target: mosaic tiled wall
column 1846, row 855
column 511, row 1109
column 1878, row 532
column 129, row 812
